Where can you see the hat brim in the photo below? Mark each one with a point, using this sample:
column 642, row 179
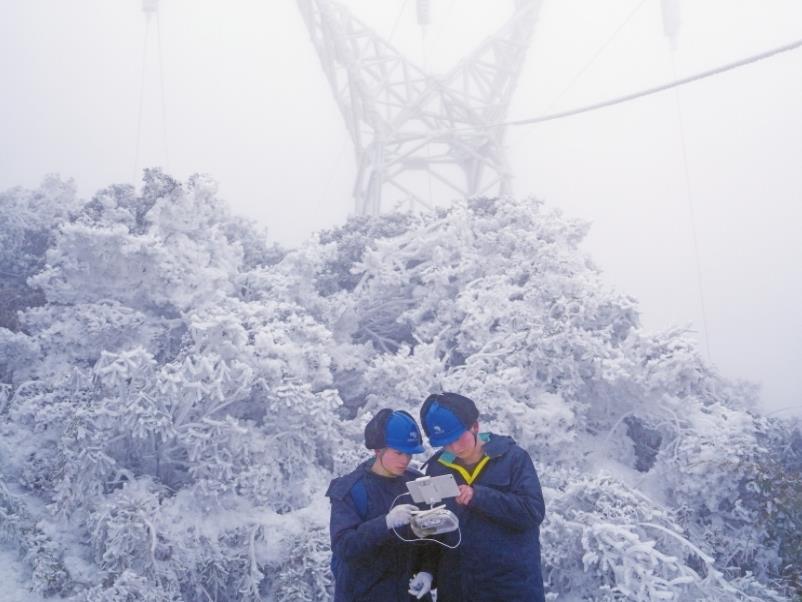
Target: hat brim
column 443, row 441
column 418, row 449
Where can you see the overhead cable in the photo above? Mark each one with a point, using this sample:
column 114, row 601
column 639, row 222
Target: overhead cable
column 691, row 212
column 161, row 85
column 621, row 99
column 598, row 53
column 141, row 102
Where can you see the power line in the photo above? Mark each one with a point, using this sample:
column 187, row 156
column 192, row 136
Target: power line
column 649, row 91
column 161, row 84
column 691, row 214
column 589, row 63
column 141, row 101
column 397, row 21
column 150, row 8
column 598, row 53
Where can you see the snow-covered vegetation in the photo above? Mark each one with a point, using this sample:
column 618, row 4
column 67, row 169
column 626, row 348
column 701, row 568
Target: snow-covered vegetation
column 176, row 392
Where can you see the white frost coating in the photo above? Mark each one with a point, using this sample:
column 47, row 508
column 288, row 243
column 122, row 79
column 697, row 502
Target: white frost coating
column 404, row 121
column 672, row 20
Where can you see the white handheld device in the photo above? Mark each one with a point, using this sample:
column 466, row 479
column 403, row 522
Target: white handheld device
column 432, row 490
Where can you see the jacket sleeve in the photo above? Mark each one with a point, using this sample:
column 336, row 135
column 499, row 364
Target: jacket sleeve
column 351, row 537
column 520, row 508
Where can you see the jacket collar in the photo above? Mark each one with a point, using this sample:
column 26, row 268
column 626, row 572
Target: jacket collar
column 494, row 447
column 497, row 445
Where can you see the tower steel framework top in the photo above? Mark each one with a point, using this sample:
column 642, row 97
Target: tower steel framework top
column 404, row 121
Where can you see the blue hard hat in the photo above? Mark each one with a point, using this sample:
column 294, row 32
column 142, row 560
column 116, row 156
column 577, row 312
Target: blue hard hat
column 402, row 433
column 446, row 416
column 395, row 429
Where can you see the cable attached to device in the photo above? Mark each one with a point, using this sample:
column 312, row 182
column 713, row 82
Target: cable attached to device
column 437, row 541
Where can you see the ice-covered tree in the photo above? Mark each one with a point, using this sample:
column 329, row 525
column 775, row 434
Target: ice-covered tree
column 29, row 220
column 177, row 392
column 158, row 392
column 494, row 298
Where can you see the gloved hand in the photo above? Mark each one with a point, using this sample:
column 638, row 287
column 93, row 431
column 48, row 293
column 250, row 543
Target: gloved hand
column 399, row 515
column 420, row 584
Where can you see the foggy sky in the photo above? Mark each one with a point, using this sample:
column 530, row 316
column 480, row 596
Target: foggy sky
column 247, row 102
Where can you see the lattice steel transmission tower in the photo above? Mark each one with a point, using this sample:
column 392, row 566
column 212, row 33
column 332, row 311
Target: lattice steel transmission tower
column 405, row 122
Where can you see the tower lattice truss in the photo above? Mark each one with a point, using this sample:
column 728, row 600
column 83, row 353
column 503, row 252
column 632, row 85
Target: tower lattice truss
column 405, row 122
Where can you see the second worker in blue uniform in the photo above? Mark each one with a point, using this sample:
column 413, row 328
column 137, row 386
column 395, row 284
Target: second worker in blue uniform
column 500, row 508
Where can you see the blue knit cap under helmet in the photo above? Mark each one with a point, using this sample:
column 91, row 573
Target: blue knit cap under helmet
column 394, row 429
column 445, row 416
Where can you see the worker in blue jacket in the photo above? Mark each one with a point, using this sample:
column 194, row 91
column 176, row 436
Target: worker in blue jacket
column 370, row 563
column 500, row 507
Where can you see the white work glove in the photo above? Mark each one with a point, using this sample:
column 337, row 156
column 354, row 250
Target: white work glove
column 420, row 584
column 399, row 516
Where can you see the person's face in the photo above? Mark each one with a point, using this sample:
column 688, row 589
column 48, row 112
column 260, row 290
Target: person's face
column 394, row 462
column 465, row 446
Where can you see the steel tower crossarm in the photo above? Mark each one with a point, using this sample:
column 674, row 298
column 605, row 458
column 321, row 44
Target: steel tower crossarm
column 404, row 121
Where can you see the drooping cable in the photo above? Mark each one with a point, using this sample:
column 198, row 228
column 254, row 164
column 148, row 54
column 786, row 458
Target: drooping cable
column 141, row 101
column 425, row 61
column 397, row 21
column 691, row 212
column 161, row 84
column 429, row 539
column 595, row 56
column 591, row 61
column 647, row 92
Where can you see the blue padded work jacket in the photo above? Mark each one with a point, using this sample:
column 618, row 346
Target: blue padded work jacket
column 372, row 564
column 499, row 557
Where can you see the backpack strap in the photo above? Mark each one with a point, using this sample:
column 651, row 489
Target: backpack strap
column 359, row 495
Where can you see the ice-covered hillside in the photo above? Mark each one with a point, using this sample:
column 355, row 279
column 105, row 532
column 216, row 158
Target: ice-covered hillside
column 176, row 393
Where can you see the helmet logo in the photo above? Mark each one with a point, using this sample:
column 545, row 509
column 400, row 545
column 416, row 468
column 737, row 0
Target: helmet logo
column 437, row 428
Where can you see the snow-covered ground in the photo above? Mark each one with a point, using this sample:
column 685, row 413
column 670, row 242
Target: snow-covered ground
column 13, row 579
